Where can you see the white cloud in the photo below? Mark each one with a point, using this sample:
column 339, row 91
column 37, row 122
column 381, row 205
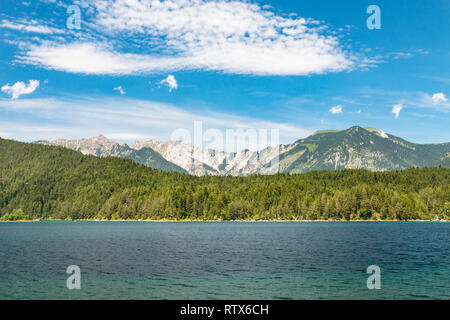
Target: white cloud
column 437, row 101
column 336, row 109
column 416, row 99
column 29, row 26
column 170, row 81
column 19, row 88
column 396, row 110
column 229, row 36
column 439, row 97
column 120, row 89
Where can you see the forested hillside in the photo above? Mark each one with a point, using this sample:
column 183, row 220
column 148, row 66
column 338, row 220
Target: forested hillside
column 38, row 181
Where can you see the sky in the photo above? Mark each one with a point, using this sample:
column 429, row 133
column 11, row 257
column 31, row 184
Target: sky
column 139, row 69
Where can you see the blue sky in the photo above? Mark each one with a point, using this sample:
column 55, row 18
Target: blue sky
column 296, row 66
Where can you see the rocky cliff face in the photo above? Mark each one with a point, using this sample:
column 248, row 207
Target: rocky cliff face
column 99, row 146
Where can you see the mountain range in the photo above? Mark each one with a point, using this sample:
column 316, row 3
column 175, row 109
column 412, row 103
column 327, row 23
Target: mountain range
column 353, row 148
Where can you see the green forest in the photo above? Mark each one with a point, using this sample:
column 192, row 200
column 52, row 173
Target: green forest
column 46, row 182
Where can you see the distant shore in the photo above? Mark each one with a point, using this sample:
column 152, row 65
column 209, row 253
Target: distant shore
column 228, row 221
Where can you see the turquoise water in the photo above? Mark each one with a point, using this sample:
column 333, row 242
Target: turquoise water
column 240, row 260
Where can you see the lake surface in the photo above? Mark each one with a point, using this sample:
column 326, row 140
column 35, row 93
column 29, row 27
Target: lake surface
column 241, row 260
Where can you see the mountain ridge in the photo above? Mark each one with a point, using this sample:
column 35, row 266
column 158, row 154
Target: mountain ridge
column 101, row 146
column 352, row 148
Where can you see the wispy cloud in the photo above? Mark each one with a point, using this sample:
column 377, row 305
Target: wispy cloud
column 29, row 26
column 120, row 89
column 125, row 119
column 336, row 109
column 127, row 136
column 416, row 99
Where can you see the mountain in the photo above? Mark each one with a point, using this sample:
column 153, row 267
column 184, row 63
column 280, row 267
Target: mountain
column 354, row 148
column 198, row 161
column 101, row 146
column 443, row 162
column 358, row 148
column 153, row 159
column 194, row 160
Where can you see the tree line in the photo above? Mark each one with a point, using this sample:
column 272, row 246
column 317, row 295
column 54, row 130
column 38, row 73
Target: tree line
column 45, row 182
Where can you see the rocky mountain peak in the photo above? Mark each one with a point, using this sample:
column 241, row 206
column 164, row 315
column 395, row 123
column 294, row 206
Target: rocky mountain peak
column 379, row 132
column 355, row 147
column 100, row 139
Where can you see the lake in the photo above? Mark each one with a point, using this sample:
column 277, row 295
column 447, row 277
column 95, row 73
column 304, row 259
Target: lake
column 218, row 260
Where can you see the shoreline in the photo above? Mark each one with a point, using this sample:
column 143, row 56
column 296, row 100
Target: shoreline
column 225, row 221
